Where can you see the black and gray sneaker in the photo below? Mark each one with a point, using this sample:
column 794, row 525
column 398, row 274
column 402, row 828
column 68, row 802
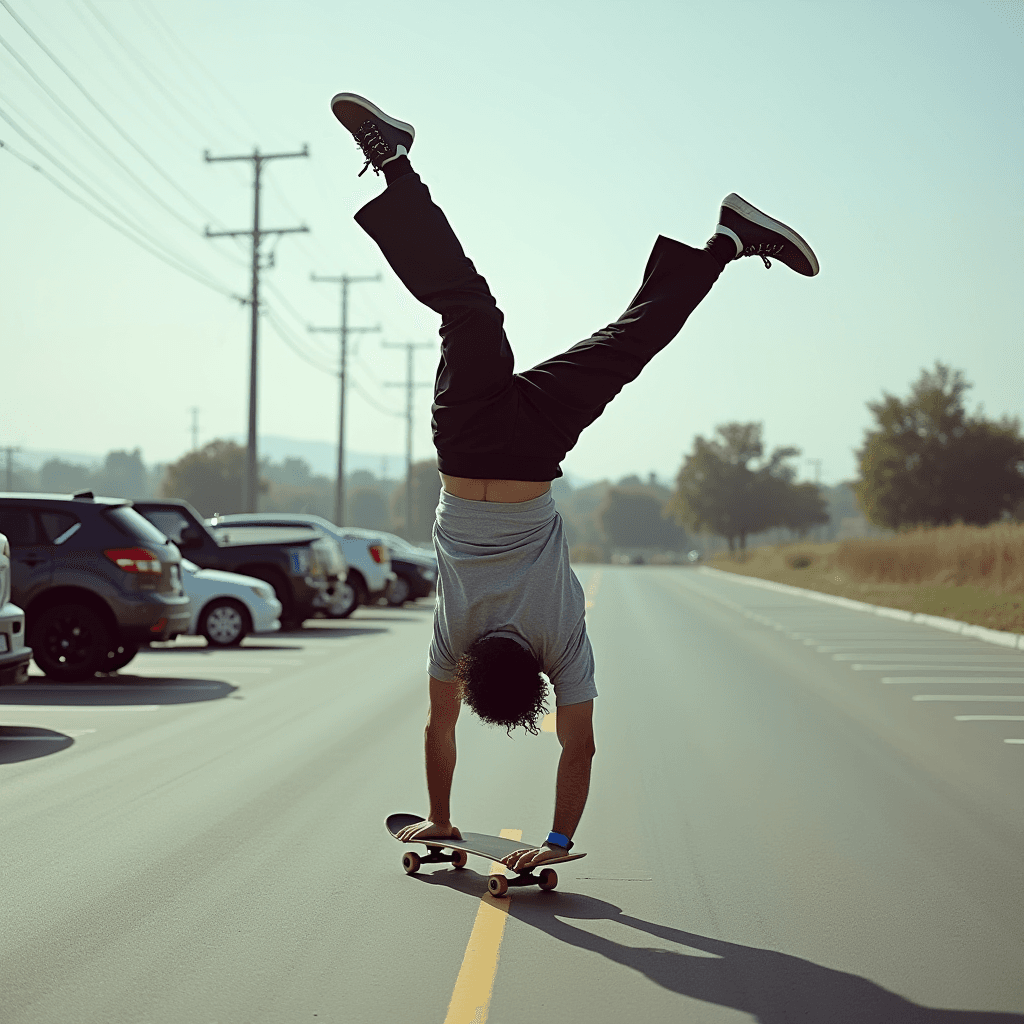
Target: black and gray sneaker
column 757, row 234
column 381, row 138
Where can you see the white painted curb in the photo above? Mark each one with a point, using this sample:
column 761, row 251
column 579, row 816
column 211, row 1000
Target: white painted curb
column 990, row 636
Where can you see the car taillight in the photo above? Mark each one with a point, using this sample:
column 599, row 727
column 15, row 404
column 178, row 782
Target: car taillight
column 377, row 553
column 134, row 560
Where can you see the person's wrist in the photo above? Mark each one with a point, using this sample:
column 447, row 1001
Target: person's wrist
column 558, row 841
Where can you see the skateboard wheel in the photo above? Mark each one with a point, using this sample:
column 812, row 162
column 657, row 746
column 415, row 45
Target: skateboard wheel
column 497, row 885
column 411, row 863
column 548, row 879
column 459, row 858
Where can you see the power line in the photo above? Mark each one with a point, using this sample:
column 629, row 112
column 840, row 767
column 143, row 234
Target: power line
column 117, row 227
column 113, row 210
column 92, row 135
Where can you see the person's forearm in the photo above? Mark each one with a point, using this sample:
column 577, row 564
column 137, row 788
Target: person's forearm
column 572, row 789
column 440, row 753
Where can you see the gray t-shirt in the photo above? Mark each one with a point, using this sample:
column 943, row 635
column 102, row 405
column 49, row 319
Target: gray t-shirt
column 503, row 567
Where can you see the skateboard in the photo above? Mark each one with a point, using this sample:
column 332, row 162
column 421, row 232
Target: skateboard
column 491, row 847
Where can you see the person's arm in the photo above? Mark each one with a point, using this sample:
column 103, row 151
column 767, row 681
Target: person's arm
column 439, row 747
column 574, row 724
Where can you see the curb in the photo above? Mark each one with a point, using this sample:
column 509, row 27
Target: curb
column 989, row 636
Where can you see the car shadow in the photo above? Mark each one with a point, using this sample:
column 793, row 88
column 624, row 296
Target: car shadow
column 26, row 742
column 122, row 690
column 213, row 651
column 334, row 631
column 773, row 987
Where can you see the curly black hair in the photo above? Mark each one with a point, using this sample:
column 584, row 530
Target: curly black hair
column 502, row 684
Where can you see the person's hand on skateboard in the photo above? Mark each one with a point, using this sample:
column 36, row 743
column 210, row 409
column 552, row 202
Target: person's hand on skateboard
column 428, row 830
column 524, row 860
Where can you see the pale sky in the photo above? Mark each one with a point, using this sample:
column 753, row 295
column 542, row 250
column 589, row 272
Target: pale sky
column 560, row 139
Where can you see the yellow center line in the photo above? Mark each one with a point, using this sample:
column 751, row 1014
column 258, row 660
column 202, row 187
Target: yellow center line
column 472, row 996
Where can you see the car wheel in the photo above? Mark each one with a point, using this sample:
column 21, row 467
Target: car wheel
column 224, row 623
column 355, row 581
column 70, row 642
column 118, row 656
column 346, row 601
column 399, row 592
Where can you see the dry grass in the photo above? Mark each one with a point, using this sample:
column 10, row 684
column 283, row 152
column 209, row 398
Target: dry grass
column 973, row 574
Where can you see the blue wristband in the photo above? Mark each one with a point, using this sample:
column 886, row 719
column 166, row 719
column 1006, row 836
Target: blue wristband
column 557, row 839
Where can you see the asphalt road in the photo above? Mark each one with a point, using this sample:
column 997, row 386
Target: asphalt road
column 799, row 813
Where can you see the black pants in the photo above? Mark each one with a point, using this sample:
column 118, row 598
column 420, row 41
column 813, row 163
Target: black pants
column 487, row 421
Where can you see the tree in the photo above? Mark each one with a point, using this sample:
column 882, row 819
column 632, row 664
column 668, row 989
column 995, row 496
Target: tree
column 123, row 474
column 426, row 488
column 801, row 507
column 60, row 477
column 633, row 518
column 718, row 492
column 369, row 509
column 928, row 462
column 209, row 478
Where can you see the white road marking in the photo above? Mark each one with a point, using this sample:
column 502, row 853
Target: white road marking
column 989, row 718
column 956, row 680
column 10, row 709
column 865, row 657
column 962, row 696
column 1014, row 741
column 931, row 668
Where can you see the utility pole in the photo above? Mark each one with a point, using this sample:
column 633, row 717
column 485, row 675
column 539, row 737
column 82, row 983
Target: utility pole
column 344, row 331
column 410, row 385
column 10, row 466
column 250, row 481
column 195, row 428
column 816, row 463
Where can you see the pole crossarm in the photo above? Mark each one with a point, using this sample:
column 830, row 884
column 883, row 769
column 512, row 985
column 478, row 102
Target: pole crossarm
column 250, row 474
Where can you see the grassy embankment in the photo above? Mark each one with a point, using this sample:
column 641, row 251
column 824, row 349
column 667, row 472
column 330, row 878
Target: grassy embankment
column 971, row 574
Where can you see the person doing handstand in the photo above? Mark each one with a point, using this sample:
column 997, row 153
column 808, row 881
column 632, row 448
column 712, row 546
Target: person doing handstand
column 509, row 606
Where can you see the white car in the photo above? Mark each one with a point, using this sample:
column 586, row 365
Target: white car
column 370, row 576
column 226, row 607
column 14, row 655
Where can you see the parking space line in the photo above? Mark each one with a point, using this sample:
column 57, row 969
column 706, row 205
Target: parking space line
column 1014, row 741
column 989, row 718
column 956, row 680
column 966, row 697
column 471, row 997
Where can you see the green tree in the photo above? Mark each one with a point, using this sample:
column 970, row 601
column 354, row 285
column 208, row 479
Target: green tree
column 631, row 517
column 717, row 490
column 209, row 478
column 802, row 507
column 929, row 462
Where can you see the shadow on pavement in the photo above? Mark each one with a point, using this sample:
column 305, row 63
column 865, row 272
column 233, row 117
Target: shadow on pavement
column 774, row 988
column 213, row 651
column 332, row 631
column 126, row 691
column 25, row 742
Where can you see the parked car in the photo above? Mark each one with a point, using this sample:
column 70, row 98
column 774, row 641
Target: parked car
column 226, row 607
column 295, row 563
column 414, row 567
column 14, row 655
column 370, row 575
column 96, row 581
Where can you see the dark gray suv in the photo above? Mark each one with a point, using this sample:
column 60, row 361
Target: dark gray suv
column 95, row 579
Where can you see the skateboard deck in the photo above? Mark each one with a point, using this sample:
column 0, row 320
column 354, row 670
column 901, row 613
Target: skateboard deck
column 480, row 845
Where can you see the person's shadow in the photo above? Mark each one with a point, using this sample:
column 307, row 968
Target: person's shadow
column 774, row 988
